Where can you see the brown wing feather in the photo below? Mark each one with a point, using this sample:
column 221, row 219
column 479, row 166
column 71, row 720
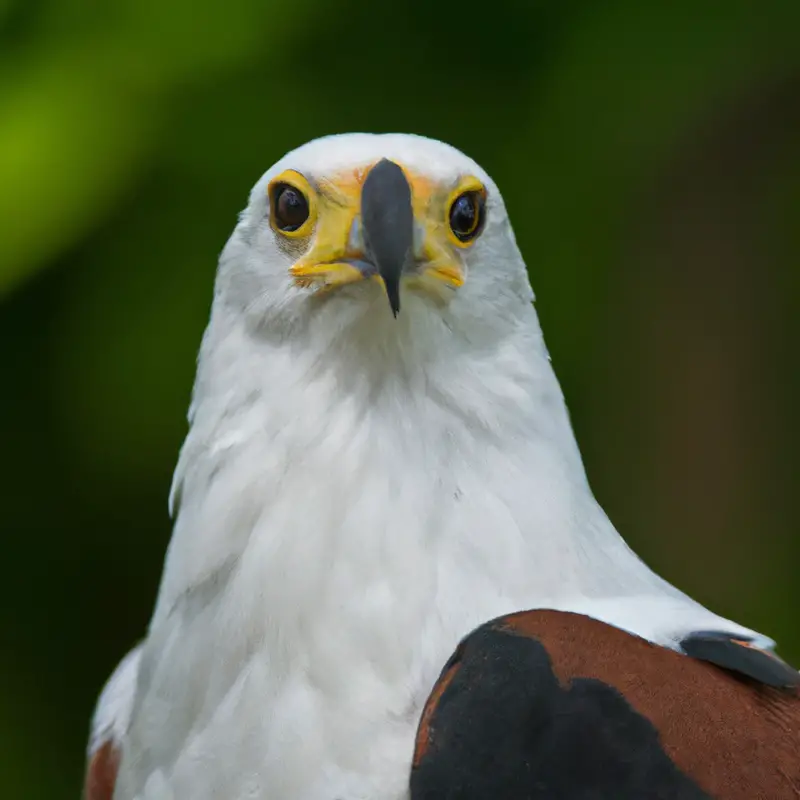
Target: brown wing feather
column 101, row 773
column 731, row 738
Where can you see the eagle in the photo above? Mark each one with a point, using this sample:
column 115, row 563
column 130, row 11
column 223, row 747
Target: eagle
column 388, row 577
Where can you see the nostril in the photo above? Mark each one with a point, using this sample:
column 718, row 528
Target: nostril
column 355, row 240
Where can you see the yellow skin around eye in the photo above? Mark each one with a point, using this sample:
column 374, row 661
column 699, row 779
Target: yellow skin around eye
column 299, row 182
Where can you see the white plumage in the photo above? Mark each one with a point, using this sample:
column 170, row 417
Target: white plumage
column 355, row 494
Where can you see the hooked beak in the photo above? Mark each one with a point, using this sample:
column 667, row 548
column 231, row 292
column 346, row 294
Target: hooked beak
column 383, row 224
column 387, row 220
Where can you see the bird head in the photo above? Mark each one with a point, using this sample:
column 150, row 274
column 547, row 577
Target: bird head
column 380, row 226
column 372, row 290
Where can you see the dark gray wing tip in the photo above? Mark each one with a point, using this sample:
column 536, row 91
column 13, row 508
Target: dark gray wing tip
column 740, row 655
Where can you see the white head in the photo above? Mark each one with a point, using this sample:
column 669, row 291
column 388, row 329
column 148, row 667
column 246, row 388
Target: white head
column 327, row 236
column 374, row 282
column 303, row 348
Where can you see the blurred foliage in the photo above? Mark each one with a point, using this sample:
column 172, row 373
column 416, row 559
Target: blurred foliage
column 650, row 158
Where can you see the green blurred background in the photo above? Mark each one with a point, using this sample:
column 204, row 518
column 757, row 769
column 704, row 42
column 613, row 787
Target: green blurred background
column 650, row 157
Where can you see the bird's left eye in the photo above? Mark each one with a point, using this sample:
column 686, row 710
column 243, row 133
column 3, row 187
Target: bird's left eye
column 289, row 207
column 466, row 215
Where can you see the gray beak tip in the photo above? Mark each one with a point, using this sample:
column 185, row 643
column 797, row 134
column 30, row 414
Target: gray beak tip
column 394, row 301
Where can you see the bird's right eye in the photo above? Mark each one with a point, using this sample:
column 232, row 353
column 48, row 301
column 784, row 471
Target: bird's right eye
column 289, row 208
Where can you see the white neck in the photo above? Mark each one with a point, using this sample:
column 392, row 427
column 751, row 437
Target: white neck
column 375, row 453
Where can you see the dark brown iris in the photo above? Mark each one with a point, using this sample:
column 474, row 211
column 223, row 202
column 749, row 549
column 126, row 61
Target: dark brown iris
column 466, row 215
column 290, row 207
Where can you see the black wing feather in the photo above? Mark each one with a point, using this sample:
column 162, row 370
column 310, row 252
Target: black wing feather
column 738, row 654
